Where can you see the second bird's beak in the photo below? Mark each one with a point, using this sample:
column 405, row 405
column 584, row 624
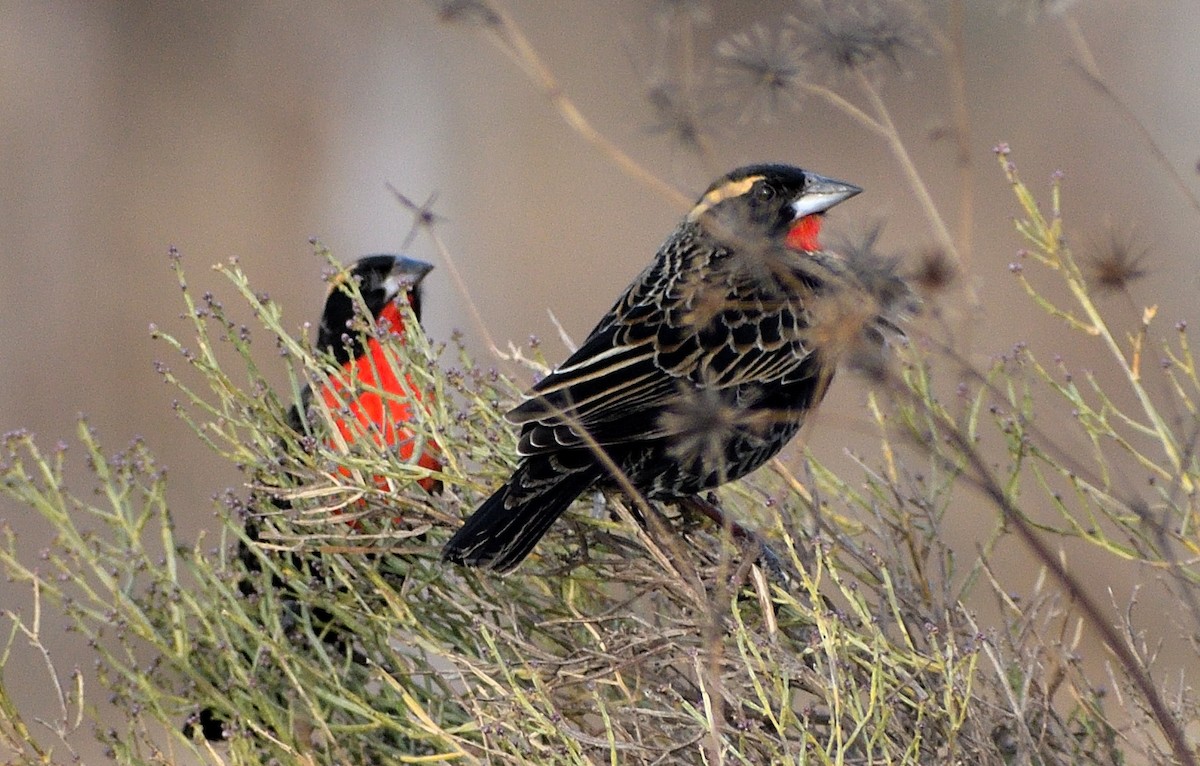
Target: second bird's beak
column 819, row 194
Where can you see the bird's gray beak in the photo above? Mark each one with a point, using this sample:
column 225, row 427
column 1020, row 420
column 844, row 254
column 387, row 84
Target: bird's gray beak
column 409, row 271
column 820, row 193
column 406, row 274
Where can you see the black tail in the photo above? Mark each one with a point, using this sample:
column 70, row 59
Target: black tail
column 501, row 533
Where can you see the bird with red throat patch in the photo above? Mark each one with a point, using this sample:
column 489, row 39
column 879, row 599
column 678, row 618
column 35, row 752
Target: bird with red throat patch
column 703, row 369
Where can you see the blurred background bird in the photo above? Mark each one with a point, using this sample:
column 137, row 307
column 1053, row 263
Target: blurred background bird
column 704, row 368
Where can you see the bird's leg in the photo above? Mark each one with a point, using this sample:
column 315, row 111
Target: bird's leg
column 710, row 511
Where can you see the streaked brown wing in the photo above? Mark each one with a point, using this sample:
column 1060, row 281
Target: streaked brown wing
column 631, row 368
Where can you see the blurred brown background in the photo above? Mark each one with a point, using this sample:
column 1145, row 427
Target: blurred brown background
column 242, row 129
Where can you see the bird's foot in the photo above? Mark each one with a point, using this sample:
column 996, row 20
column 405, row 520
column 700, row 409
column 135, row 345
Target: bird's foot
column 767, row 557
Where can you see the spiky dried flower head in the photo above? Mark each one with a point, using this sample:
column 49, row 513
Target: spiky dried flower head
column 935, row 271
column 878, row 274
column 843, row 36
column 1115, row 260
column 704, row 420
column 676, row 115
column 861, row 317
column 764, row 69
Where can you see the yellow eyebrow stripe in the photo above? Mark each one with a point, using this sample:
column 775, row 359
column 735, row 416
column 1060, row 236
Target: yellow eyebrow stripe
column 725, row 191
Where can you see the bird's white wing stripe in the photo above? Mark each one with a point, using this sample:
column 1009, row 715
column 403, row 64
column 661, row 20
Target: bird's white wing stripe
column 567, row 378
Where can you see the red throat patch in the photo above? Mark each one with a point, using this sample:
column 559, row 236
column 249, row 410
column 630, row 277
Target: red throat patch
column 804, row 234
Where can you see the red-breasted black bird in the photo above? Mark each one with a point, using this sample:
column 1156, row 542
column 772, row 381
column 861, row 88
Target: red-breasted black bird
column 703, row 369
column 382, row 403
column 380, row 409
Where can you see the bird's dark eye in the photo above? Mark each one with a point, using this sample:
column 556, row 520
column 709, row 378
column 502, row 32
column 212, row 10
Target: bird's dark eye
column 764, row 193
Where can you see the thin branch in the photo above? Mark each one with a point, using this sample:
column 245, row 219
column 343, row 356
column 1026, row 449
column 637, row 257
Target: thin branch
column 1087, row 67
column 892, row 136
column 962, row 128
column 507, row 35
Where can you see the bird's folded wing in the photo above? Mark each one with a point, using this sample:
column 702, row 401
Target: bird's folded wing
column 618, row 384
column 612, row 392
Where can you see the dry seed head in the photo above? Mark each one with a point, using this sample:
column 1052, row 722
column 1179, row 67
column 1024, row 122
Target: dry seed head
column 1115, row 260
column 676, row 115
column 702, row 422
column 764, row 69
column 936, row 271
column 851, row 35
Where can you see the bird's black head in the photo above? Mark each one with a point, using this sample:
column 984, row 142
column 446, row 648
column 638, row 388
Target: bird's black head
column 769, row 199
column 380, row 279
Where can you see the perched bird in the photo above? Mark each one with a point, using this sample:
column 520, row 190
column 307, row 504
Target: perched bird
column 381, row 404
column 702, row 371
column 380, row 409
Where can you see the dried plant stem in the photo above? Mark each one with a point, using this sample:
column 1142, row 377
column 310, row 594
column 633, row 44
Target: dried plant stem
column 654, row 534
column 890, row 134
column 1161, row 430
column 881, row 125
column 461, row 285
column 982, row 478
column 1112, row 638
column 953, row 48
column 509, row 38
column 1084, row 51
column 1086, row 65
column 852, row 111
column 1047, row 235
column 962, row 128
column 687, row 74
